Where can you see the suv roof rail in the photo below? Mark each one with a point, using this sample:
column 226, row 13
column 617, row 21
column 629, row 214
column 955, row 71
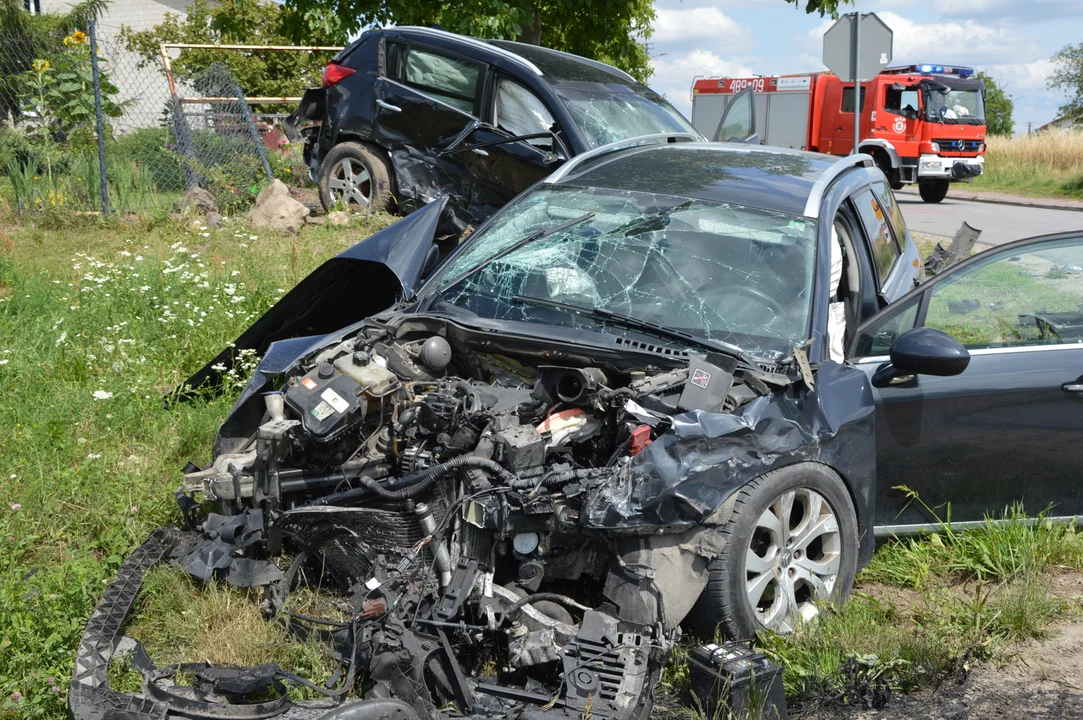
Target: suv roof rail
column 830, row 175
column 656, row 139
column 480, row 44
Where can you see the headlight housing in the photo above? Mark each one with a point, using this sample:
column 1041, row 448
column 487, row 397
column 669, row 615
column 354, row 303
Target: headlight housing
column 935, row 146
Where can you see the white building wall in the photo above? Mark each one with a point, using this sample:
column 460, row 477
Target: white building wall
column 146, row 88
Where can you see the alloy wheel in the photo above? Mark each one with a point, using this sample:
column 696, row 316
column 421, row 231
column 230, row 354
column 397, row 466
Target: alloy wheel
column 793, row 559
column 350, row 182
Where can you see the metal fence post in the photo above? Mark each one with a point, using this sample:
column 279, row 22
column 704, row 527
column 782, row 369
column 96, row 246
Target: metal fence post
column 98, row 116
column 255, row 133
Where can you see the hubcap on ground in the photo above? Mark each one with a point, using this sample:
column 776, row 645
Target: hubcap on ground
column 792, row 562
column 350, row 182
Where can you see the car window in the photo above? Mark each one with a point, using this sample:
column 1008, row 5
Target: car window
column 520, row 112
column 848, row 99
column 885, row 251
column 898, row 100
column 450, row 79
column 611, row 113
column 891, row 210
column 1026, row 297
column 738, row 119
column 877, row 338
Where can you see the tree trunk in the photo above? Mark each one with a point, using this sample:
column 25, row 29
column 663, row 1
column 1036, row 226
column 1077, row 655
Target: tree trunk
column 532, row 34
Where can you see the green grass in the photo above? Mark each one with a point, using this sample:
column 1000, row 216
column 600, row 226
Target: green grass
column 96, row 322
column 967, row 596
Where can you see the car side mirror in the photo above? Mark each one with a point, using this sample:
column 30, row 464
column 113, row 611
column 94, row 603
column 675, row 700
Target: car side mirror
column 922, row 351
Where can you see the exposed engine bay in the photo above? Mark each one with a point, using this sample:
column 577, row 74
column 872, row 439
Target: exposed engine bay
column 442, row 484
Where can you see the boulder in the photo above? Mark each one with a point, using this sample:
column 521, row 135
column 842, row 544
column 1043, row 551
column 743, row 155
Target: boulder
column 275, row 209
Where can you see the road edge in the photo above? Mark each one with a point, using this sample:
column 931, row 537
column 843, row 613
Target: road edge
column 1041, row 203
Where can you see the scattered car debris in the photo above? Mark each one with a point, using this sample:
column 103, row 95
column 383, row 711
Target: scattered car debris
column 962, row 245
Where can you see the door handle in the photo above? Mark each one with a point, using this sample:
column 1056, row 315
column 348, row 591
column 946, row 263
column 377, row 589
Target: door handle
column 481, row 152
column 1072, row 387
column 388, row 106
column 840, row 127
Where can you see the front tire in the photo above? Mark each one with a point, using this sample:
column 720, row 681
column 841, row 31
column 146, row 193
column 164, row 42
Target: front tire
column 933, row 191
column 356, row 176
column 791, row 544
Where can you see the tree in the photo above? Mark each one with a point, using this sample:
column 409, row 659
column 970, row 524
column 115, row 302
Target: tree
column 612, row 31
column 27, row 38
column 1068, row 78
column 239, row 22
column 999, row 106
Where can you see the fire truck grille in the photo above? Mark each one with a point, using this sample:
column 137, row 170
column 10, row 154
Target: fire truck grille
column 959, row 145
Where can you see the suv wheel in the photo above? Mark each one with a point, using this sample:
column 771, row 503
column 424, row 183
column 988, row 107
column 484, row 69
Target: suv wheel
column 933, row 191
column 791, row 545
column 354, row 175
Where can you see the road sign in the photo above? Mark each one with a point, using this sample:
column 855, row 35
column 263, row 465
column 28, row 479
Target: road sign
column 856, row 48
column 871, row 44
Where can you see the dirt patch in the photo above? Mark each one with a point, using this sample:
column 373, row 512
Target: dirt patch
column 1034, row 680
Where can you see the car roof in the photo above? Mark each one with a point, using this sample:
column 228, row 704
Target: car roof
column 554, row 65
column 560, row 66
column 777, row 179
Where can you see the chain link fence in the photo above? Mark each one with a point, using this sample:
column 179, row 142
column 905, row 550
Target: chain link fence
column 111, row 132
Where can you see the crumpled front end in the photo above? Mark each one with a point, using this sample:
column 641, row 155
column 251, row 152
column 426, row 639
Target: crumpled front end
column 505, row 528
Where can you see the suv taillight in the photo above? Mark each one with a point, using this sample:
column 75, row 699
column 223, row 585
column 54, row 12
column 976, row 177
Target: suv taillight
column 334, row 73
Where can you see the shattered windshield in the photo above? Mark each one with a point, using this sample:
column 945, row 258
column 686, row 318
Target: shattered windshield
column 713, row 270
column 960, row 105
column 608, row 113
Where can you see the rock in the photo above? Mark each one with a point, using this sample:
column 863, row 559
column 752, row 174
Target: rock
column 338, row 218
column 197, row 201
column 275, row 209
column 213, row 219
column 316, row 220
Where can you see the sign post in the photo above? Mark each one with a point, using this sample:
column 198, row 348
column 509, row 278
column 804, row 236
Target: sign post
column 856, row 48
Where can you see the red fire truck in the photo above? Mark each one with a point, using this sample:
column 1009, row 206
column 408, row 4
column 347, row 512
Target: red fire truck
column 922, row 123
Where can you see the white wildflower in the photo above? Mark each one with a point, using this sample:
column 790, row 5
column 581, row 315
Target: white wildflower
column 102, row 394
column 93, row 456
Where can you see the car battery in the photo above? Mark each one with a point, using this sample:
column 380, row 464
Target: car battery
column 732, row 680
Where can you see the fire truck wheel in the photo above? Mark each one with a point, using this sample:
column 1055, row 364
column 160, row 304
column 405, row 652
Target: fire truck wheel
column 933, row 191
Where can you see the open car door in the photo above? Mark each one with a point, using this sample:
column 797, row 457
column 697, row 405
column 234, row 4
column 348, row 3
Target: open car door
column 1006, row 430
column 738, row 123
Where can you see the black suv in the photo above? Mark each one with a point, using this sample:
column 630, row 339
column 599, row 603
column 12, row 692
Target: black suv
column 409, row 114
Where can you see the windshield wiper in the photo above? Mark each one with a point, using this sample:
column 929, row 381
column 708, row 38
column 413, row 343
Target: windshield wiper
column 532, row 237
column 643, row 325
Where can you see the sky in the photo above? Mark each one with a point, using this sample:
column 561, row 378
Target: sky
column 1012, row 40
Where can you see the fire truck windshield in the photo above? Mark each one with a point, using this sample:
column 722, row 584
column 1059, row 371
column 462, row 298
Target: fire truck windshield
column 954, row 101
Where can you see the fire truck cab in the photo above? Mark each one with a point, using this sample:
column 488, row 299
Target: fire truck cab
column 922, row 123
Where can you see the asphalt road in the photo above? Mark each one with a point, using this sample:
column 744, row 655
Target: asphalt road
column 999, row 223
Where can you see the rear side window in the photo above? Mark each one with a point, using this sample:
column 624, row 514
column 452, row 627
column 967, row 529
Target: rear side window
column 885, row 251
column 848, row 99
column 891, row 210
column 447, row 78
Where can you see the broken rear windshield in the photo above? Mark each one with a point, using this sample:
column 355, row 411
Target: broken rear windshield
column 606, row 113
column 724, row 272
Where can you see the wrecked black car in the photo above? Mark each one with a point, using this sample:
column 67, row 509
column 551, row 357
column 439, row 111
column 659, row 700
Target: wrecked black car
column 410, row 114
column 612, row 411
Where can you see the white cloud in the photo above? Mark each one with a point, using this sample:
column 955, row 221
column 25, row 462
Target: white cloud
column 966, row 42
column 701, row 23
column 673, row 74
column 1018, row 78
